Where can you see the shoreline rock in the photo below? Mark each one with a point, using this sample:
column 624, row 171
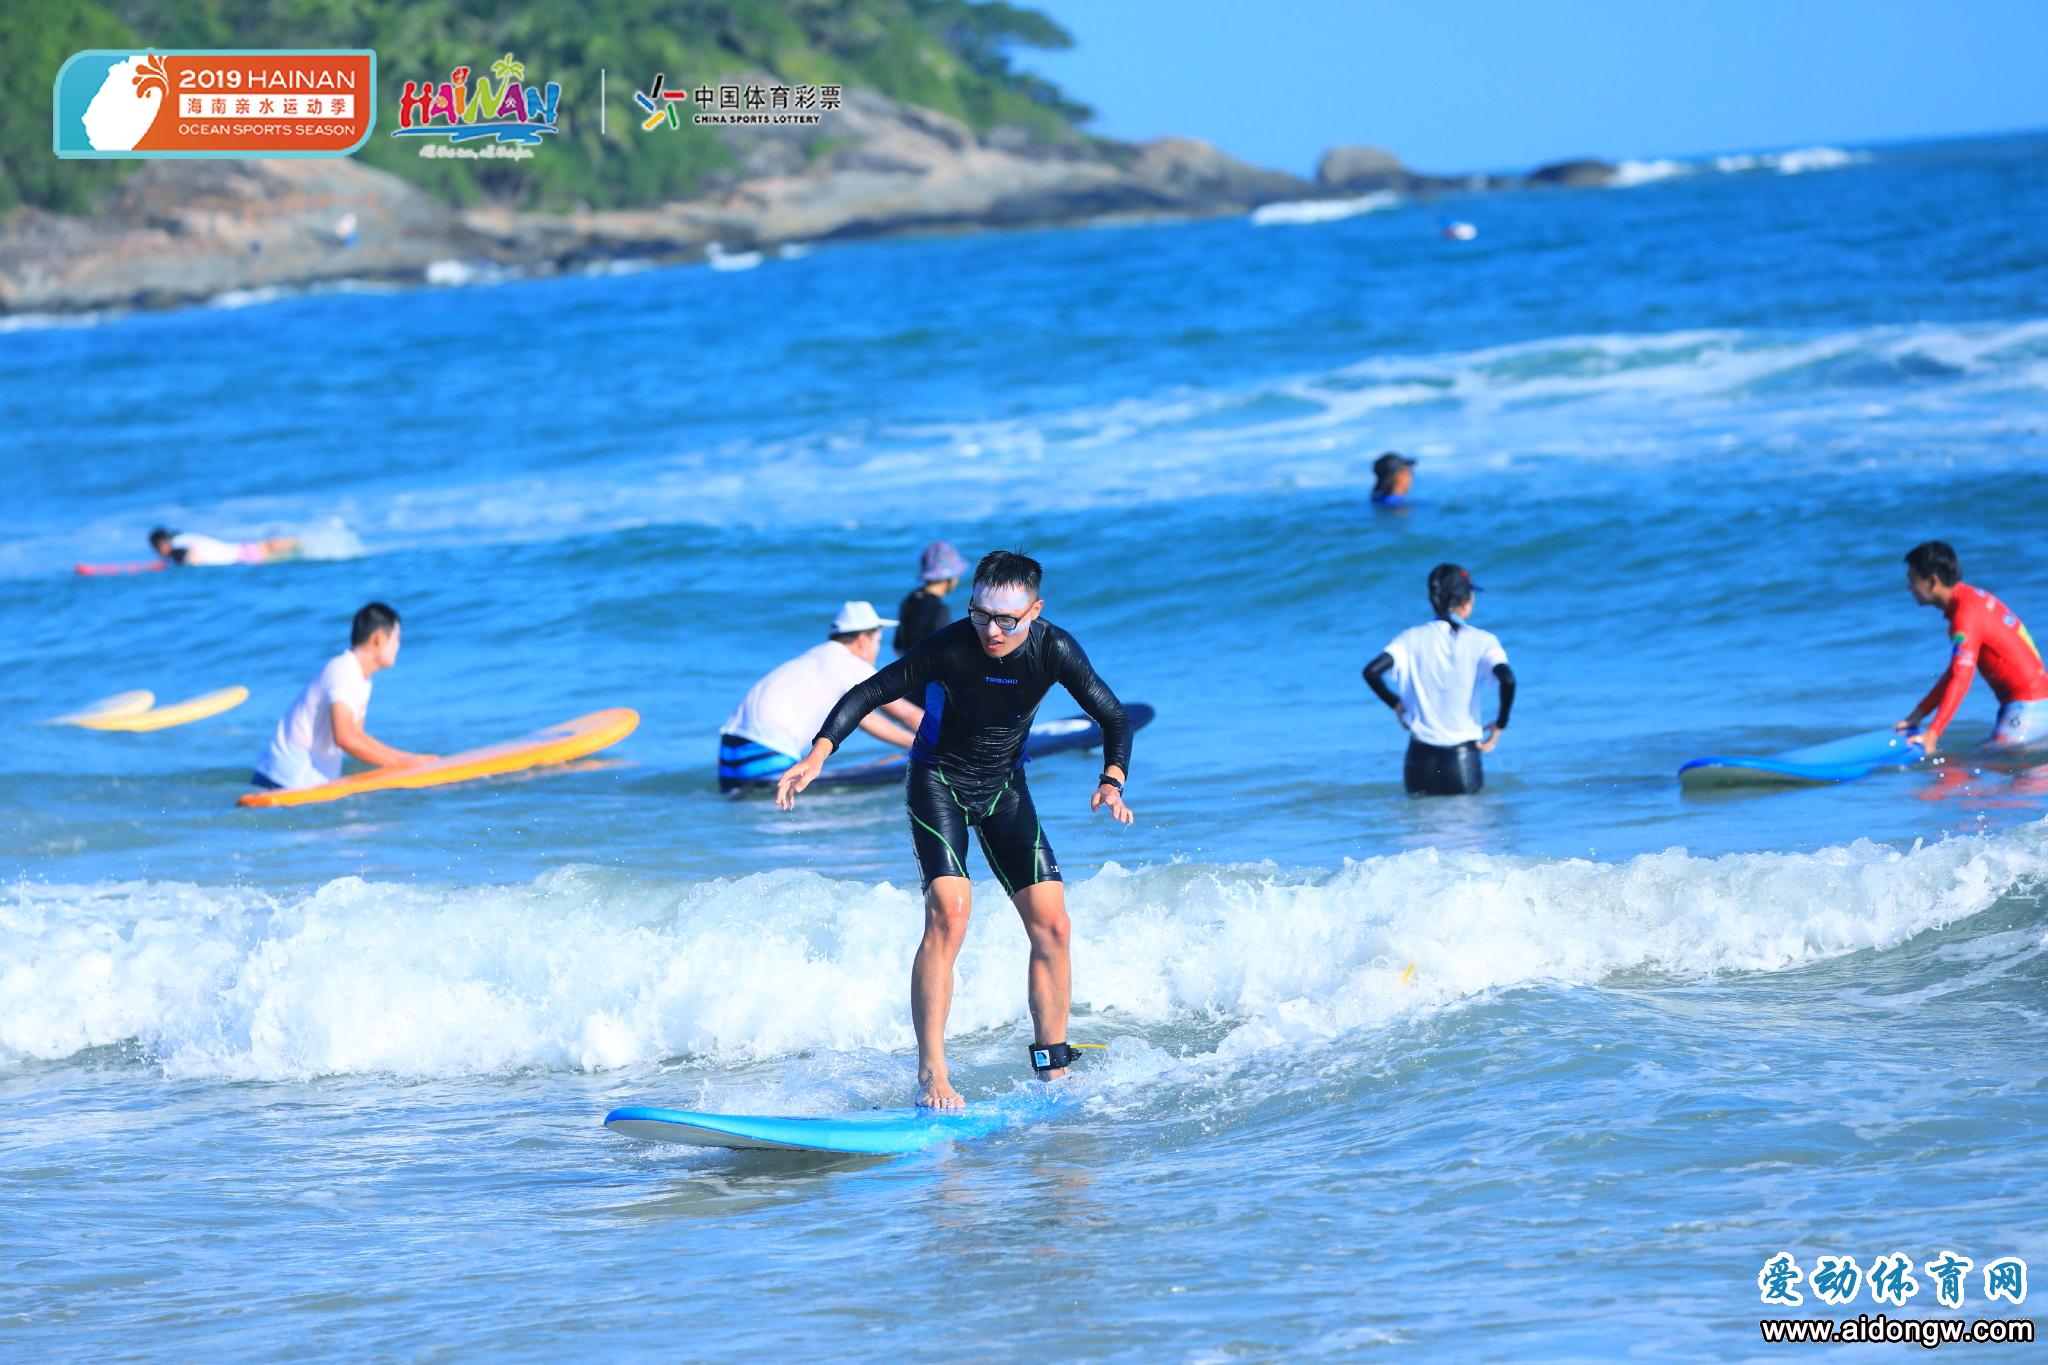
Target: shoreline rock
column 182, row 232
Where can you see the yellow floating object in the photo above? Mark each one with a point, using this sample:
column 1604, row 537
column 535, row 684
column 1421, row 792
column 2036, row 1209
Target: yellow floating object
column 177, row 713
column 557, row 744
column 1407, row 973
column 120, row 704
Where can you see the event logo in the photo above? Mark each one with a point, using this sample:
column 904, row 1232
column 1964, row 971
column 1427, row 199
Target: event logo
column 218, row 104
column 511, row 114
column 661, row 105
column 733, row 103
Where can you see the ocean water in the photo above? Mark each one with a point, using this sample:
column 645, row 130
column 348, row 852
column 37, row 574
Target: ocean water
column 329, row 1081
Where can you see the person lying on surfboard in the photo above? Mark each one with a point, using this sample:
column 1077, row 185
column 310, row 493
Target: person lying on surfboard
column 191, row 550
column 1985, row 635
column 325, row 720
column 781, row 712
column 982, row 680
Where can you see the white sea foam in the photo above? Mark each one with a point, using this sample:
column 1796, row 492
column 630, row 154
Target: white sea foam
column 591, row 970
column 249, row 298
column 329, row 539
column 1299, row 212
column 1795, row 162
column 453, row 274
column 720, row 259
column 35, row 322
column 1631, row 173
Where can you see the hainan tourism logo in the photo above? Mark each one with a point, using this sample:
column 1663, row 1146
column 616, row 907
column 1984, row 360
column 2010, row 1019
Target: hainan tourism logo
column 110, row 103
column 502, row 110
column 734, row 103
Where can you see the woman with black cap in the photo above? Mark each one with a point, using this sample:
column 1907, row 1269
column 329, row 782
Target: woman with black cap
column 1393, row 475
column 1440, row 667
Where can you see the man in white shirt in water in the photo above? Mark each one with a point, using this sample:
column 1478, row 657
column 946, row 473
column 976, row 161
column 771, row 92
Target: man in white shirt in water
column 1440, row 667
column 325, row 720
column 774, row 722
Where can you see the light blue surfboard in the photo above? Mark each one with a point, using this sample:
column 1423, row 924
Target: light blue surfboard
column 1838, row 760
column 869, row 1132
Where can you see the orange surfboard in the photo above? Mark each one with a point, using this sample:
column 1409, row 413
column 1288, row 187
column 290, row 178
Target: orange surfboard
column 556, row 744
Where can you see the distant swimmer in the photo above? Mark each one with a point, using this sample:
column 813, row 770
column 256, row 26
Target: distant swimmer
column 1393, row 475
column 1983, row 634
column 326, row 719
column 776, row 719
column 924, row 609
column 982, row 680
column 1440, row 667
column 194, row 551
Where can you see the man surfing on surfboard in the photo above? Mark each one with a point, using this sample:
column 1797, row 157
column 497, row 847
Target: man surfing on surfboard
column 1986, row 635
column 981, row 681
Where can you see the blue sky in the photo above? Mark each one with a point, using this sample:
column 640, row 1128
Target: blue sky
column 1455, row 85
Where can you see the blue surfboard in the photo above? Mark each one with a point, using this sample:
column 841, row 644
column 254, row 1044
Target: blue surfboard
column 1838, row 760
column 1047, row 737
column 870, row 1132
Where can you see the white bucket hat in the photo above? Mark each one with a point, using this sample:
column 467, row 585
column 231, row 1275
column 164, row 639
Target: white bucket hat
column 856, row 618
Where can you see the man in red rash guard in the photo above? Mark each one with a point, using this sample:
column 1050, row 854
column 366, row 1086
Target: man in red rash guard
column 1986, row 635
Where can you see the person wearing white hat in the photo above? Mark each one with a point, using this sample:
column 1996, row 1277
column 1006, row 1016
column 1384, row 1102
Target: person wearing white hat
column 776, row 719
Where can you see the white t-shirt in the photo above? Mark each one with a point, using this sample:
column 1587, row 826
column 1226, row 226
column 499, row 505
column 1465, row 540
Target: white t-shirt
column 302, row 751
column 206, row 552
column 1439, row 671
column 785, row 710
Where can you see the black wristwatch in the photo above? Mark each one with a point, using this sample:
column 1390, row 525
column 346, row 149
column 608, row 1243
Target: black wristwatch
column 1107, row 781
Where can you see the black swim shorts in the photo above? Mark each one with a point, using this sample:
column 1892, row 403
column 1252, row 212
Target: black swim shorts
column 1011, row 838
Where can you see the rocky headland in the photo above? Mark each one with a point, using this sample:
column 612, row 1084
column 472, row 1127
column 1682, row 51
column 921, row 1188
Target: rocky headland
column 178, row 232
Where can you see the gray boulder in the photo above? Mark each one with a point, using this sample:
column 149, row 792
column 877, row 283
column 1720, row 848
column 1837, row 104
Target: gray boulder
column 1583, row 172
column 1359, row 169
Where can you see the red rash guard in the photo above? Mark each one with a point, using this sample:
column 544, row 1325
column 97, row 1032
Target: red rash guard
column 1985, row 632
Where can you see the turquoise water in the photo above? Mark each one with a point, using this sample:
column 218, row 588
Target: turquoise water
column 330, row 1079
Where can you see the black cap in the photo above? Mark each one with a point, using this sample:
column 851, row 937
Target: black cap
column 1383, row 468
column 1450, row 585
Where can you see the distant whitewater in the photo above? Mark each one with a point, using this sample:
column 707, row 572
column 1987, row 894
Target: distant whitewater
column 1628, row 174
column 1299, row 212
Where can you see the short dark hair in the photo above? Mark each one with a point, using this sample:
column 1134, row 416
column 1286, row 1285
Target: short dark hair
column 160, row 534
column 371, row 619
column 1000, row 568
column 1934, row 559
column 847, row 637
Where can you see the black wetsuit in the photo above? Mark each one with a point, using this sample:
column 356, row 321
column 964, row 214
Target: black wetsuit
column 920, row 614
column 967, row 766
column 1435, row 769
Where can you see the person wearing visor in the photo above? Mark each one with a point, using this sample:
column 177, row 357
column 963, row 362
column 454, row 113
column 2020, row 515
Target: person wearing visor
column 779, row 713
column 982, row 680
column 1392, row 477
column 1439, row 667
column 924, row 610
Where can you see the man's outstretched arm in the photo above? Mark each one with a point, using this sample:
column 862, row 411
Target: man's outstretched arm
column 1086, row 686
column 893, row 683
column 1948, row 692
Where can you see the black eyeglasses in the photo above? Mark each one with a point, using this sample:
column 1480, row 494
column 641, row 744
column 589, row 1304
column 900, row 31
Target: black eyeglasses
column 1008, row 625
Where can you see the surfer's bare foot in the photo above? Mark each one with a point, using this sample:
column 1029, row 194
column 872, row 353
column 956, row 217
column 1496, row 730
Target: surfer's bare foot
column 935, row 1092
